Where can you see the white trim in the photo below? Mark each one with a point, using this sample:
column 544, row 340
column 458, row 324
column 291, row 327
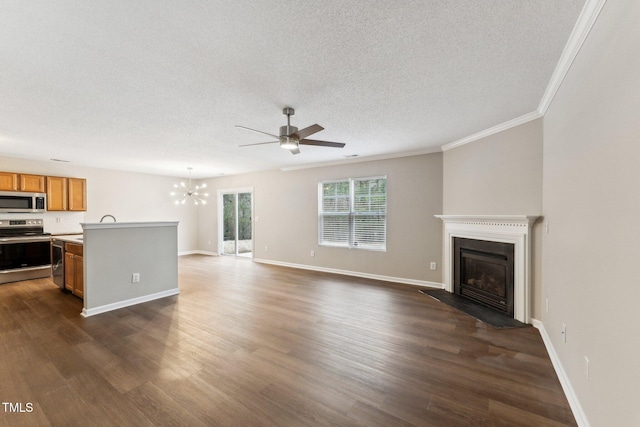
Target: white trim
column 102, row 225
column 126, row 303
column 572, row 398
column 587, row 18
column 350, row 160
column 514, row 229
column 493, row 130
column 198, row 252
column 405, row 281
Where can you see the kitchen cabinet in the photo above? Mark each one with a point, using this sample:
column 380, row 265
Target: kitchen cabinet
column 34, row 183
column 11, row 181
column 63, row 194
column 66, row 194
column 57, row 193
column 77, row 194
column 8, row 181
column 74, row 269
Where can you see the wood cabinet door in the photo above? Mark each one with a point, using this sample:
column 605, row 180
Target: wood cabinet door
column 79, row 273
column 56, row 193
column 69, row 271
column 77, row 194
column 33, row 183
column 8, row 181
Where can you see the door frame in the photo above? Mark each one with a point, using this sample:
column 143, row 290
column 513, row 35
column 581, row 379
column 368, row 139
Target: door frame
column 235, row 191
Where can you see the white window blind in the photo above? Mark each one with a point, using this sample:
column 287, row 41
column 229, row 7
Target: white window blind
column 353, row 213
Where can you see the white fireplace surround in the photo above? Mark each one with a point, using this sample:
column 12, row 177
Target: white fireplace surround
column 515, row 229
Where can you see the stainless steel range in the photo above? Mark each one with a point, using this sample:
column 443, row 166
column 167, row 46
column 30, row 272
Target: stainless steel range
column 25, row 250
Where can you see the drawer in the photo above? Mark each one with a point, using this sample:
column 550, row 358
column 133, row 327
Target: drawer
column 74, row 248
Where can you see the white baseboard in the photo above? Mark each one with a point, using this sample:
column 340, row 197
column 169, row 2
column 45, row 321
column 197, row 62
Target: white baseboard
column 129, row 302
column 574, row 403
column 198, row 253
column 406, row 281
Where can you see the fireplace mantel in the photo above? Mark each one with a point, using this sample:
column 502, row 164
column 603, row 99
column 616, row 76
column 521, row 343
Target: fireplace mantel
column 515, row 229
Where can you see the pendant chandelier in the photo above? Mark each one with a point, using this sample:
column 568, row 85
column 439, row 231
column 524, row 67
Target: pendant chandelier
column 183, row 192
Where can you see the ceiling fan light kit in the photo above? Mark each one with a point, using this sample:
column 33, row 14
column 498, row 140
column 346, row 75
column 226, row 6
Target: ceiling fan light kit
column 291, row 138
column 288, row 143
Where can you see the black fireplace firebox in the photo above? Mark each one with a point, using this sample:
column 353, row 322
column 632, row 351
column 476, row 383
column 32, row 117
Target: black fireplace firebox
column 483, row 272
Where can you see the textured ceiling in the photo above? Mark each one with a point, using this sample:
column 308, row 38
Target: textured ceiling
column 157, row 86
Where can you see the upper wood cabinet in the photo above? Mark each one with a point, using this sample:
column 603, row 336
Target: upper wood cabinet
column 57, row 193
column 63, row 194
column 77, row 194
column 66, row 194
column 8, row 181
column 11, row 181
column 33, row 183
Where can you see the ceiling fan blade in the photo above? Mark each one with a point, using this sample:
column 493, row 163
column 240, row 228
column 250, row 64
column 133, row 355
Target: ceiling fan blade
column 295, row 151
column 321, row 143
column 258, row 143
column 258, row 131
column 303, row 133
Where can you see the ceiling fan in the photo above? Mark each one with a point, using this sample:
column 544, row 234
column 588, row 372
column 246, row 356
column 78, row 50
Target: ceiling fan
column 291, row 138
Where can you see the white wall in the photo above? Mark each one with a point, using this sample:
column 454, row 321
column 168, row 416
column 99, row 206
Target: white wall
column 499, row 174
column 126, row 195
column 592, row 204
column 286, row 209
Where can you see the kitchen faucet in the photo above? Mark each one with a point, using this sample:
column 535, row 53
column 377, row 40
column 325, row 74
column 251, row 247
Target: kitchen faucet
column 104, row 216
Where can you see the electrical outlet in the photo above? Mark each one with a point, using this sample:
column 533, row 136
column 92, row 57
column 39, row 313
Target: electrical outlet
column 135, row 278
column 313, row 253
column 266, row 248
column 547, row 305
column 564, row 333
column 434, row 265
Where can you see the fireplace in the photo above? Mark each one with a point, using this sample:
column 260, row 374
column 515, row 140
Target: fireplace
column 483, row 273
column 513, row 230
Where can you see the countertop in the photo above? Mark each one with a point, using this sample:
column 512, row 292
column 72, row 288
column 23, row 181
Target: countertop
column 72, row 238
column 140, row 224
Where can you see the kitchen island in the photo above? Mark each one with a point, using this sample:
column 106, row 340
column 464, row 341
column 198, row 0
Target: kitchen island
column 127, row 263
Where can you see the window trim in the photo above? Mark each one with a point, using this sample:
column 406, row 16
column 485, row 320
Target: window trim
column 351, row 214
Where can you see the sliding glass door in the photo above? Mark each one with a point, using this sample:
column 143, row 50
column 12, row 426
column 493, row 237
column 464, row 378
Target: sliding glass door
column 236, row 220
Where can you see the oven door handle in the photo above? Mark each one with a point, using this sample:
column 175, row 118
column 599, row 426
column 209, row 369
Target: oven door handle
column 40, row 267
column 24, row 239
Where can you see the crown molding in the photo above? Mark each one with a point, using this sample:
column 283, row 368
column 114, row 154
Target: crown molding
column 492, row 131
column 350, row 160
column 581, row 30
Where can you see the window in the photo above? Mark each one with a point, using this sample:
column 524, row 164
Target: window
column 353, row 213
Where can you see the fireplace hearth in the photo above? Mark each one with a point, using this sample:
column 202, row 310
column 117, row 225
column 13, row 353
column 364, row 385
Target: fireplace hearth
column 483, row 273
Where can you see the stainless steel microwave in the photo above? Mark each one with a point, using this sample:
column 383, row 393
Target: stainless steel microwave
column 13, row 201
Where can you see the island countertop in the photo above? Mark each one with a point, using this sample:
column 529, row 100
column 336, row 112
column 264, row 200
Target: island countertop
column 141, row 224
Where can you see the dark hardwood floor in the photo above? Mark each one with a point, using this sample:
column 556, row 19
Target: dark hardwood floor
column 246, row 344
